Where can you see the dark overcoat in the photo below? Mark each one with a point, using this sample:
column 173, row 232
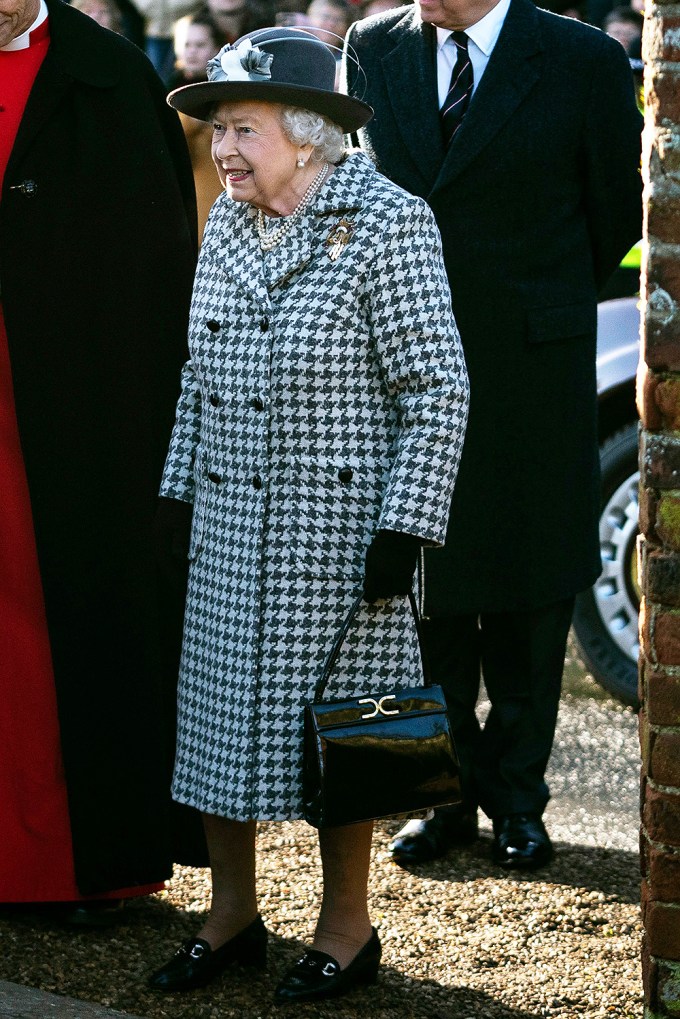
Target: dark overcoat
column 537, row 200
column 97, row 251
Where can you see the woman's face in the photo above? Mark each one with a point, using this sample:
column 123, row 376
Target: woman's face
column 328, row 19
column 198, row 49
column 255, row 160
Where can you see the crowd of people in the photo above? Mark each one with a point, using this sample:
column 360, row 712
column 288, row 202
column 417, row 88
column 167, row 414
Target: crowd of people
column 385, row 359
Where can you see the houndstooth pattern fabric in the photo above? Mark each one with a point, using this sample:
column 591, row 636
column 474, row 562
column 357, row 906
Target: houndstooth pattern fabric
column 323, row 400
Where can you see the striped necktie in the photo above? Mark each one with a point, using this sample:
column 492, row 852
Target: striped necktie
column 458, row 97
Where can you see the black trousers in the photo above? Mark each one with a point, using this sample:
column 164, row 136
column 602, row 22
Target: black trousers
column 521, row 658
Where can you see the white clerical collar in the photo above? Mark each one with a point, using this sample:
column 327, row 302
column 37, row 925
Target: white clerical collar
column 485, row 32
column 23, row 41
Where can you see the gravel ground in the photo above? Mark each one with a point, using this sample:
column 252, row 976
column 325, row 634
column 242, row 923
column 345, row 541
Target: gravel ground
column 461, row 940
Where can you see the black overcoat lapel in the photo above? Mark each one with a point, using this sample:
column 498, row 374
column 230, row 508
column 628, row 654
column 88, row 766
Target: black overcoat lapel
column 50, row 89
column 411, row 78
column 512, row 72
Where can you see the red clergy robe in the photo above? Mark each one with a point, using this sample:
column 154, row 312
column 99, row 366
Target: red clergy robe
column 36, row 856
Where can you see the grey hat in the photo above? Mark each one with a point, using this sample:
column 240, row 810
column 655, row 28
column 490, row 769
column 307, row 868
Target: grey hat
column 276, row 65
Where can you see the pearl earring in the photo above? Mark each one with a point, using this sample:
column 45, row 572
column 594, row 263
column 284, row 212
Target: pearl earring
column 300, row 162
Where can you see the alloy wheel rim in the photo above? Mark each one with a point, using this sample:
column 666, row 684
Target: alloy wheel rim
column 616, row 591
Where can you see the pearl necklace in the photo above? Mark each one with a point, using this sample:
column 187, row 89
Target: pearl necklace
column 269, row 239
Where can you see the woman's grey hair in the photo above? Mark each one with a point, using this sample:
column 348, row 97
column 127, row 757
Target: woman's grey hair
column 304, row 127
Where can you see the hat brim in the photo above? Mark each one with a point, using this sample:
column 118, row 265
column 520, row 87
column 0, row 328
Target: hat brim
column 198, row 100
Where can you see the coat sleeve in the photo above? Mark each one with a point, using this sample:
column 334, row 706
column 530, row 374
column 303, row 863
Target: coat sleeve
column 178, row 474
column 612, row 146
column 421, row 358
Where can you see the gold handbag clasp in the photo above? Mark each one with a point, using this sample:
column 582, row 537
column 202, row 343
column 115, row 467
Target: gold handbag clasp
column 378, row 706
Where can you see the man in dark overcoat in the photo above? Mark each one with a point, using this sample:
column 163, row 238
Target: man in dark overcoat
column 97, row 253
column 532, row 171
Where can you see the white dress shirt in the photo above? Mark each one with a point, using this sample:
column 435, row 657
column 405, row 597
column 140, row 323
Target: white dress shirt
column 482, row 39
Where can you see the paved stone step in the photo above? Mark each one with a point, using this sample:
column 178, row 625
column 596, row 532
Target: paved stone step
column 27, row 1003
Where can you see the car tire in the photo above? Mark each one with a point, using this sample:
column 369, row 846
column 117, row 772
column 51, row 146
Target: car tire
column 606, row 616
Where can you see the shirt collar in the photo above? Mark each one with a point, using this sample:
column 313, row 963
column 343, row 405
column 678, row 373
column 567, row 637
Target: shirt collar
column 23, row 41
column 484, row 33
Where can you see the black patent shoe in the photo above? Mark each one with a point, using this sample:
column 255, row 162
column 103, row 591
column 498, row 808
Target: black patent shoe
column 422, row 841
column 196, row 963
column 521, row 842
column 318, row 975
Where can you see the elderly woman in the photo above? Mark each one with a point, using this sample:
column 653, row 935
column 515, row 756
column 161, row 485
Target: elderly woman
column 318, row 436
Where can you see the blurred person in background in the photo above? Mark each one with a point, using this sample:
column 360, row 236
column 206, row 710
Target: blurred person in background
column 291, row 13
column 234, row 18
column 97, row 252
column 329, row 20
column 197, row 40
column 106, row 13
column 159, row 24
column 117, row 15
column 625, row 25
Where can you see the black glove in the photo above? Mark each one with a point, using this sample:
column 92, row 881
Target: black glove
column 391, row 560
column 171, row 530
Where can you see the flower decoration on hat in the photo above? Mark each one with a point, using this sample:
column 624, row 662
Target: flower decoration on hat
column 243, row 63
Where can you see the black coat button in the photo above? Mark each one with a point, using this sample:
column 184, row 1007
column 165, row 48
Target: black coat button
column 264, row 324
column 256, row 403
column 214, row 477
column 345, row 474
column 215, row 400
column 257, row 481
column 213, row 326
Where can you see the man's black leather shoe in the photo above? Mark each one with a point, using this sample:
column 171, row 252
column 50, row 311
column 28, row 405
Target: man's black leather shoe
column 420, row 841
column 521, row 842
column 195, row 963
column 318, row 975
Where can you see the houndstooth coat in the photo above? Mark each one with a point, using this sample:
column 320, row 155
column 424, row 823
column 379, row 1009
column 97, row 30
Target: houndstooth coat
column 324, row 399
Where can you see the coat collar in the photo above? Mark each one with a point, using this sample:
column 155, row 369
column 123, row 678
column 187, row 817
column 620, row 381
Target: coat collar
column 411, row 77
column 237, row 249
column 343, row 196
column 79, row 49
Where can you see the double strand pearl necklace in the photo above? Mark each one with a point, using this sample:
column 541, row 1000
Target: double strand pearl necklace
column 269, row 239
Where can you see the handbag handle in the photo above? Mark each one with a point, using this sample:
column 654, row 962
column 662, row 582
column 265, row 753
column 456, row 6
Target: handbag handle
column 320, row 687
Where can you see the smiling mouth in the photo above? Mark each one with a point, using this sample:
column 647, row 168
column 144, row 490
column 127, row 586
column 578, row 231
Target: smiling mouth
column 236, row 175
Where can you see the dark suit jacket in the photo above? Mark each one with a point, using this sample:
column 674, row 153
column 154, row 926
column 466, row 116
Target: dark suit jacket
column 97, row 255
column 537, row 201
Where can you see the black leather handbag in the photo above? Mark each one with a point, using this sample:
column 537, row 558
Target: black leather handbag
column 388, row 752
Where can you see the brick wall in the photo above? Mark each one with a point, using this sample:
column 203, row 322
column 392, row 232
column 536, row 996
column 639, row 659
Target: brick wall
column 659, row 405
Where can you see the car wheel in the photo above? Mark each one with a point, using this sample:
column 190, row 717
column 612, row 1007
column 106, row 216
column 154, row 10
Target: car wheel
column 606, row 616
